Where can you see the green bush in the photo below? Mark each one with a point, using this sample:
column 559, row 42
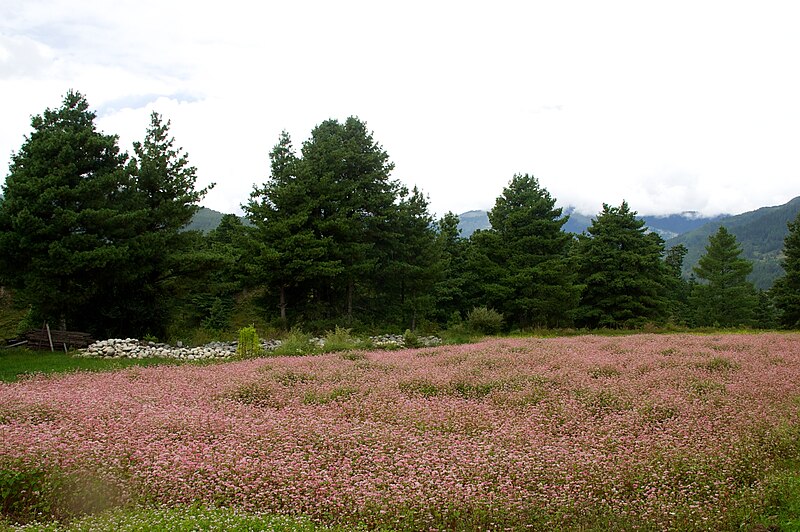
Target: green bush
column 410, row 339
column 249, row 344
column 25, row 492
column 296, row 343
column 485, row 320
column 339, row 340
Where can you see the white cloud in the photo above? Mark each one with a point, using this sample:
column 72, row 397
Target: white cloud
column 678, row 106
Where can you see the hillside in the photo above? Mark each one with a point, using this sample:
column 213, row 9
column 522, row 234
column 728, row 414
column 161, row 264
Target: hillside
column 760, row 232
column 205, row 220
column 666, row 226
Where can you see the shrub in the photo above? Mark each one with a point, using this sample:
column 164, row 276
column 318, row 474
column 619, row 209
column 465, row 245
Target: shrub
column 338, row 340
column 296, row 343
column 410, row 339
column 25, row 492
column 485, row 320
column 249, row 344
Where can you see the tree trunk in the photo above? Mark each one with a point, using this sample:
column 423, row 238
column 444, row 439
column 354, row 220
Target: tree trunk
column 283, row 304
column 350, row 290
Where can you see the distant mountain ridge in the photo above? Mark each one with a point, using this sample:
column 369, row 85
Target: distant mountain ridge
column 206, row 220
column 760, row 232
column 666, row 226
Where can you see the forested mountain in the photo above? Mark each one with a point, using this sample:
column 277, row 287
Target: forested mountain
column 666, row 226
column 206, row 220
column 760, row 233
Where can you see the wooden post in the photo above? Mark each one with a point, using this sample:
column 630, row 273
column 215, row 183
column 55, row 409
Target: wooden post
column 49, row 337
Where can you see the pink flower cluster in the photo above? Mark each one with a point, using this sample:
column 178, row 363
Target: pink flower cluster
column 659, row 429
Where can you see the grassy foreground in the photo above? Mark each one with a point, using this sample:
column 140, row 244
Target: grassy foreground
column 648, row 432
column 17, row 363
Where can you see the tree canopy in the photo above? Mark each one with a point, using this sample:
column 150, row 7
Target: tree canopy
column 786, row 290
column 622, row 271
column 87, row 234
column 723, row 297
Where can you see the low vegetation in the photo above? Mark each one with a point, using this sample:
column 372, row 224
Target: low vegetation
column 678, row 432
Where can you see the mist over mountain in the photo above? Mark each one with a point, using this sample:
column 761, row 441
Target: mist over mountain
column 666, row 226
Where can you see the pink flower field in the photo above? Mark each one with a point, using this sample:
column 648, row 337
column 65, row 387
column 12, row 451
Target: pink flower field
column 650, row 431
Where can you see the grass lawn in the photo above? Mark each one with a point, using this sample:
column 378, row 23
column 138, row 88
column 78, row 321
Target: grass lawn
column 16, row 363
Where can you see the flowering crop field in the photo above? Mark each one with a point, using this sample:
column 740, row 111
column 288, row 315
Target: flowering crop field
column 644, row 431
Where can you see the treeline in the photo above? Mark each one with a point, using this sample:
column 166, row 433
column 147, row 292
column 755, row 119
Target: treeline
column 92, row 238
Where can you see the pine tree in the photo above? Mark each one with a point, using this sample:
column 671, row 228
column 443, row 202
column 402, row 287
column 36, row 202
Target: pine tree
column 723, row 297
column 678, row 287
column 413, row 262
column 162, row 253
column 65, row 219
column 450, row 290
column 786, row 290
column 292, row 253
column 348, row 174
column 622, row 271
column 533, row 255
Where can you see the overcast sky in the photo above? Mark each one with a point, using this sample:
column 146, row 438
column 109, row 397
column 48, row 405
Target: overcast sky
column 673, row 106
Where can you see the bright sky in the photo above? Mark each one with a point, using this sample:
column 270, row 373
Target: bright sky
column 674, row 106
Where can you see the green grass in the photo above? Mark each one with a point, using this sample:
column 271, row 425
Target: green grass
column 16, row 363
column 185, row 518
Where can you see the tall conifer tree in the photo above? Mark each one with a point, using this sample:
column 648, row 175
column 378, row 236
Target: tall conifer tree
column 723, row 297
column 533, row 255
column 65, row 219
column 786, row 290
column 622, row 271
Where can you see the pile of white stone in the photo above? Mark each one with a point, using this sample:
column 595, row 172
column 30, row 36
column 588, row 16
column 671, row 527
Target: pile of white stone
column 132, row 348
column 391, row 341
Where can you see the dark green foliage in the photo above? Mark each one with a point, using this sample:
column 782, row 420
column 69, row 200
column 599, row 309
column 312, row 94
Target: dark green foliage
column 622, row 271
column 25, row 491
column 65, row 223
column 531, row 250
column 450, row 290
column 724, row 297
column 412, row 262
column 786, row 291
column 678, row 288
column 162, row 255
column 338, row 237
column 91, row 240
column 485, row 320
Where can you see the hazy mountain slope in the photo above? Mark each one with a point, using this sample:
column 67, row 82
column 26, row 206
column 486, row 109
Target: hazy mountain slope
column 205, row 220
column 760, row 232
column 666, row 226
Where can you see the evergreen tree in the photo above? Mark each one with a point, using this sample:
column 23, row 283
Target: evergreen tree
column 450, row 290
column 621, row 270
column 723, row 297
column 231, row 246
column 533, row 255
column 484, row 276
column 678, row 288
column 786, row 291
column 348, row 176
column 410, row 264
column 292, row 253
column 65, row 220
column 162, row 253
